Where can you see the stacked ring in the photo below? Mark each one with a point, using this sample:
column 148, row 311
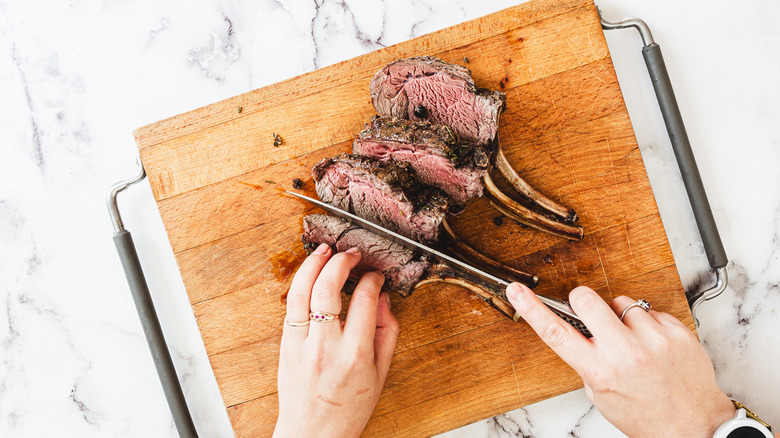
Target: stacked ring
column 322, row 316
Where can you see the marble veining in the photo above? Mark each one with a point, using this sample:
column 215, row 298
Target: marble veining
column 515, row 425
column 77, row 77
column 36, row 135
column 220, row 53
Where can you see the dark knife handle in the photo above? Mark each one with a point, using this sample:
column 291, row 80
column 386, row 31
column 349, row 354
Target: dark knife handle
column 154, row 335
column 716, row 254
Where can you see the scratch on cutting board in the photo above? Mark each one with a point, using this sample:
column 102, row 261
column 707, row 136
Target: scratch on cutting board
column 563, row 267
column 517, row 381
column 604, row 271
column 566, row 38
column 552, row 98
column 620, row 201
column 478, row 351
column 628, row 240
column 449, row 305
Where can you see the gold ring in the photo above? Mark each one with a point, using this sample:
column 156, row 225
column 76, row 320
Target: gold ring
column 322, row 316
column 642, row 304
column 298, row 324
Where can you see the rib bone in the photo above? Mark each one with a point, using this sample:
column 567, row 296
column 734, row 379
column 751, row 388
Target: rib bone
column 533, row 195
column 513, row 209
column 462, row 250
column 492, row 293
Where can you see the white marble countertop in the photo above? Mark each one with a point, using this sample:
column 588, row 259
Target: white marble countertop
column 77, row 77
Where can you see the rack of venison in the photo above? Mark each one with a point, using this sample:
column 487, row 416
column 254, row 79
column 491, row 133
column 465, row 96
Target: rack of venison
column 430, row 150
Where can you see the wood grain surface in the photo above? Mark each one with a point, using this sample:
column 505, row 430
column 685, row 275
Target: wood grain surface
column 217, row 176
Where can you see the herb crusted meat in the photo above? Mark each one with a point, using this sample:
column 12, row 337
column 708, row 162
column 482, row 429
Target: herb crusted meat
column 388, row 194
column 438, row 157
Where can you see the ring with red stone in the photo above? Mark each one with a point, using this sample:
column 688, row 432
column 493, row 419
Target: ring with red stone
column 322, row 316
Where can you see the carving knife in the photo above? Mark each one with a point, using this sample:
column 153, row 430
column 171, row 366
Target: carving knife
column 560, row 308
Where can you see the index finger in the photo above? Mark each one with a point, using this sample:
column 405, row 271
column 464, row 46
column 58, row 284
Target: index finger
column 597, row 315
column 559, row 335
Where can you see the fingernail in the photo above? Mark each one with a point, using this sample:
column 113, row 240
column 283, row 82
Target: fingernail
column 322, row 249
column 353, row 250
column 517, row 294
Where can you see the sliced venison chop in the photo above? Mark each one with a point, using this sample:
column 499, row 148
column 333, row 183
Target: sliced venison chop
column 429, row 89
column 438, row 157
column 388, row 194
column 401, row 267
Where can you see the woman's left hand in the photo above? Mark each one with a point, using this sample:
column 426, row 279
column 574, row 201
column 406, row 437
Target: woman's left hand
column 331, row 373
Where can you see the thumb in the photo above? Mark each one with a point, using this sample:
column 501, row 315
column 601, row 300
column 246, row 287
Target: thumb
column 386, row 336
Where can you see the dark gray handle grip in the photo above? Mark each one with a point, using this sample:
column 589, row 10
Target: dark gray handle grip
column 154, row 335
column 708, row 230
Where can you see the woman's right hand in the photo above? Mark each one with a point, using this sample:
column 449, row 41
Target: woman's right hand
column 648, row 375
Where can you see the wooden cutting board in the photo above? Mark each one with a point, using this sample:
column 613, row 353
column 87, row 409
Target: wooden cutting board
column 216, row 176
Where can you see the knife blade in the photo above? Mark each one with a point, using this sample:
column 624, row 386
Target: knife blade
column 561, row 308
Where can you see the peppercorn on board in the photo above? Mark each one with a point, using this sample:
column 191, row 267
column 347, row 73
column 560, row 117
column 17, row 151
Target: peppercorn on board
column 217, row 174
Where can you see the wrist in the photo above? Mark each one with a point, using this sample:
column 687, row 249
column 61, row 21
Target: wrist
column 723, row 416
column 714, row 414
column 744, row 424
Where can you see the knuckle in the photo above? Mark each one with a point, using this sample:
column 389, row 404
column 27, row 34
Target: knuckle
column 536, row 310
column 316, row 358
column 363, row 298
column 601, row 381
column 355, row 363
column 679, row 329
column 325, row 287
column 555, row 335
column 663, row 344
column 297, row 300
column 637, row 356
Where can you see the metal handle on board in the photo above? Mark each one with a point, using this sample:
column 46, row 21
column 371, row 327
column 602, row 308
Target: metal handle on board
column 708, row 229
column 147, row 314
